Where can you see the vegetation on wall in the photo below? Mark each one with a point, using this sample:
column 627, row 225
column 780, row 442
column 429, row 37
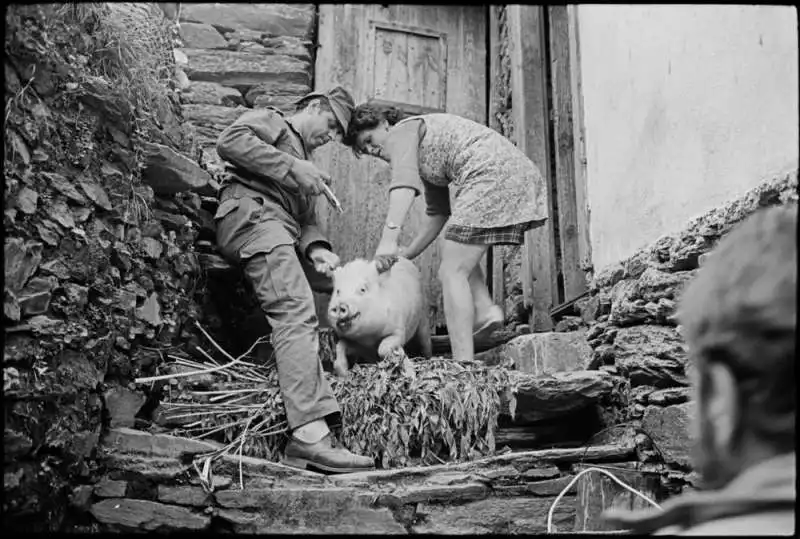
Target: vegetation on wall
column 98, row 279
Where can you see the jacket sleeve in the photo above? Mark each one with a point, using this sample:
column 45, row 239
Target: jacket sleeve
column 248, row 143
column 311, row 234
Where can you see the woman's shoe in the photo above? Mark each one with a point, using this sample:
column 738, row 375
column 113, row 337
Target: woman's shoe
column 493, row 322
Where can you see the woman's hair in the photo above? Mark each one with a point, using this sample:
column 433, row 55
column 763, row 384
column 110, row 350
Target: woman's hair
column 368, row 116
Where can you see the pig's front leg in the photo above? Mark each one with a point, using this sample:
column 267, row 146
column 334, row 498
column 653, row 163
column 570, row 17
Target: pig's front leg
column 340, row 365
column 390, row 344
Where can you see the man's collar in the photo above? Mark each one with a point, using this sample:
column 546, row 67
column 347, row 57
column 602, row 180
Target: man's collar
column 290, row 123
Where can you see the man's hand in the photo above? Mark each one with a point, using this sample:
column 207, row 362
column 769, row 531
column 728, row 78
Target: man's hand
column 308, row 177
column 324, row 261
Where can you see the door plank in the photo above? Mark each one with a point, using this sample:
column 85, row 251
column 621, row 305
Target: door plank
column 574, row 278
column 528, row 85
column 581, row 197
column 497, row 269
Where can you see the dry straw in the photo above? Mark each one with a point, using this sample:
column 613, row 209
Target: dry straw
column 401, row 412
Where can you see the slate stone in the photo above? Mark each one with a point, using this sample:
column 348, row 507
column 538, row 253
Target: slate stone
column 171, row 221
column 11, row 309
column 81, row 214
column 123, row 405
column 64, row 186
column 21, row 260
column 496, row 515
column 127, row 440
column 27, row 200
column 540, row 397
column 59, row 212
column 245, row 69
column 295, row 20
column 542, row 353
column 434, row 493
column 95, row 192
column 184, row 495
column 201, row 36
column 277, row 88
column 35, row 297
column 152, row 248
column 211, row 93
column 651, row 355
column 109, row 488
column 150, row 311
column 670, row 428
column 148, row 516
column 169, row 172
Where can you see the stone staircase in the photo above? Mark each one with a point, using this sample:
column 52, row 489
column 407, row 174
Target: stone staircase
column 149, row 484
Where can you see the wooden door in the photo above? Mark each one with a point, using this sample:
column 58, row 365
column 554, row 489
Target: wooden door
column 420, row 58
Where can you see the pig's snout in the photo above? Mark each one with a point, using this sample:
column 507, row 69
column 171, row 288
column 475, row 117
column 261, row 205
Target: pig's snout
column 340, row 311
column 343, row 315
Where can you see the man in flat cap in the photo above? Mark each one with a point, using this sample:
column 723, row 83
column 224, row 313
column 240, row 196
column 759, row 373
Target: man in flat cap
column 266, row 222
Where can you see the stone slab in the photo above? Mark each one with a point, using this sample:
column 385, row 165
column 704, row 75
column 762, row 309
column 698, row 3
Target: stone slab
column 670, row 429
column 184, row 495
column 211, row 93
column 110, row 488
column 242, row 69
column 201, row 36
column 524, row 515
column 544, row 353
column 434, row 493
column 296, row 20
column 148, row 516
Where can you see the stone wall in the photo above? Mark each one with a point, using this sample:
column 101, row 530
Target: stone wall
column 235, row 57
column 102, row 210
column 632, row 330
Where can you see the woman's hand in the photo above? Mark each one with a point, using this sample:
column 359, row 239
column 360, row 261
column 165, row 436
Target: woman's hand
column 387, row 248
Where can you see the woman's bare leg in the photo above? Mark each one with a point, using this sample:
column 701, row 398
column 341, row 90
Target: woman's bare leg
column 480, row 296
column 458, row 262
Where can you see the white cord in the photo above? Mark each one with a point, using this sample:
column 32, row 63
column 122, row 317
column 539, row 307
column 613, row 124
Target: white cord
column 574, row 479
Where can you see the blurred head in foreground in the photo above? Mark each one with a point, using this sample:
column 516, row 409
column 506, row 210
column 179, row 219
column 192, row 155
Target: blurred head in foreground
column 739, row 317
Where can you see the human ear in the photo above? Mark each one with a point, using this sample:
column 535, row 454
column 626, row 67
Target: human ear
column 722, row 405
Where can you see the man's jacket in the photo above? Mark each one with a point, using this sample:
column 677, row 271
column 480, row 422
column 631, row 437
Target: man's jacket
column 260, row 148
column 760, row 501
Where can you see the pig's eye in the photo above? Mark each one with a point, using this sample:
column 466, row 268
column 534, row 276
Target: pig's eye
column 362, row 290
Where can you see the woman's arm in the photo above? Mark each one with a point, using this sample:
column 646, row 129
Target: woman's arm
column 431, row 227
column 401, row 148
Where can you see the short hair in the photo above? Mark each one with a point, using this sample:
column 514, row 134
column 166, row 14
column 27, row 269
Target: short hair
column 368, row 116
column 741, row 310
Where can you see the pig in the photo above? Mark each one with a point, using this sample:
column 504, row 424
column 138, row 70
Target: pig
column 375, row 313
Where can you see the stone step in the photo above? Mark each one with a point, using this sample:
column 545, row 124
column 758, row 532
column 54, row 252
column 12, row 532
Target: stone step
column 542, row 353
column 518, row 460
column 540, row 397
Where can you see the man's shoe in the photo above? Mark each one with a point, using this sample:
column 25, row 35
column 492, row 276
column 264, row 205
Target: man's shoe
column 325, row 456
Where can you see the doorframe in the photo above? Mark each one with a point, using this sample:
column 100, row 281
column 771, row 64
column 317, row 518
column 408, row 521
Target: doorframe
column 544, row 50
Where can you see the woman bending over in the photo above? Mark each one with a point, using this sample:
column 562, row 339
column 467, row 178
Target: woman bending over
column 498, row 194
